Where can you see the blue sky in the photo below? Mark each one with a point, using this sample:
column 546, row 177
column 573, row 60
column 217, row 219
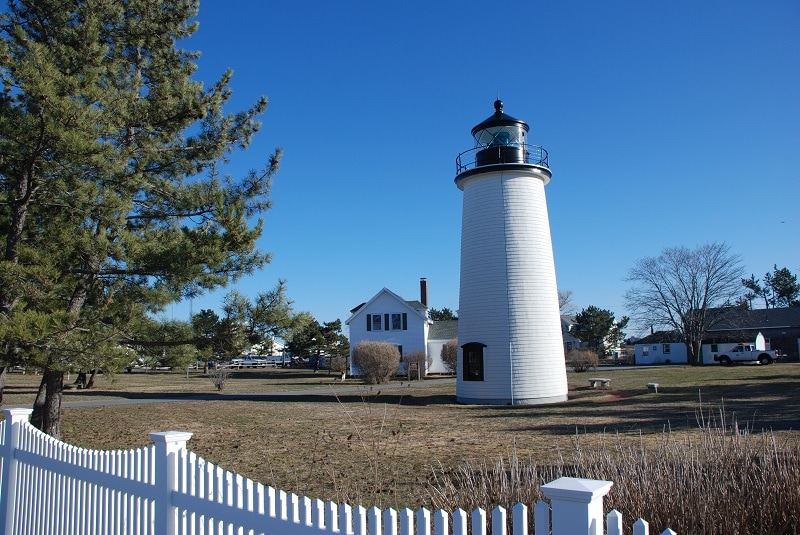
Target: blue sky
column 667, row 124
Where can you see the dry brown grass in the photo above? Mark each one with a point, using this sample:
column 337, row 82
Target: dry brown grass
column 395, row 445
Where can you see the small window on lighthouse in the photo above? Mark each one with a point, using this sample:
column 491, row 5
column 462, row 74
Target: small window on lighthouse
column 473, row 361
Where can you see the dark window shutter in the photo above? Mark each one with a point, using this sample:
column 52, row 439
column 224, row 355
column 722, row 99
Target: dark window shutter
column 369, row 322
column 386, row 325
column 405, row 321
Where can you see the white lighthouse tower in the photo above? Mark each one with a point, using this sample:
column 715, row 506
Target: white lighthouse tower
column 509, row 327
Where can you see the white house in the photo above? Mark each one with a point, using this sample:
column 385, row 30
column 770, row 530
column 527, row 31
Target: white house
column 570, row 341
column 387, row 317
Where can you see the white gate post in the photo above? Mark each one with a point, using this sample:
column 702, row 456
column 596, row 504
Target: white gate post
column 168, row 444
column 577, row 504
column 8, row 487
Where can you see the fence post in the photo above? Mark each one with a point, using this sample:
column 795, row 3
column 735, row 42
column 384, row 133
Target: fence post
column 8, row 487
column 577, row 504
column 168, row 444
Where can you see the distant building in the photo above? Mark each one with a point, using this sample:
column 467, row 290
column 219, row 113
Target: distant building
column 779, row 328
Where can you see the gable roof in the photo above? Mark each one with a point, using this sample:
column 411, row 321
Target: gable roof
column 415, row 307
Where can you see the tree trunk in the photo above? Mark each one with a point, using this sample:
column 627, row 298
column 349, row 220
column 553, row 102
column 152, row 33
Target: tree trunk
column 51, row 414
column 90, row 383
column 80, row 380
column 38, row 405
column 3, row 374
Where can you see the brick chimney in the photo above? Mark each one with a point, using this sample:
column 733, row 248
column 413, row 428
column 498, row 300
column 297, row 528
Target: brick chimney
column 423, row 291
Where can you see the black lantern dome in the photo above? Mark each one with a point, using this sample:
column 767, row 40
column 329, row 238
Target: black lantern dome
column 500, row 140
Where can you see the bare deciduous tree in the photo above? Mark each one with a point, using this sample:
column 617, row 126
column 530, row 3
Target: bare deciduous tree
column 564, row 301
column 681, row 286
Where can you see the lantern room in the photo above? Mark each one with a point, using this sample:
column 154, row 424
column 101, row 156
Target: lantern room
column 500, row 138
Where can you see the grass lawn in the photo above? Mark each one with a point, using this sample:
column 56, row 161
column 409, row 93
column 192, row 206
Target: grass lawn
column 347, row 442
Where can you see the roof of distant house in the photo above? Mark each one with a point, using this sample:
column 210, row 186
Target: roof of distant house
column 443, row 330
column 760, row 318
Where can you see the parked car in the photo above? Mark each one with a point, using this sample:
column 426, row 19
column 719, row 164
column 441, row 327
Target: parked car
column 249, row 362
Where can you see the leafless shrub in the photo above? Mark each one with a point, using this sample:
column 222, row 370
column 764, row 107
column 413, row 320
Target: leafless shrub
column 338, row 364
column 377, row 361
column 450, row 355
column 219, row 376
column 582, row 360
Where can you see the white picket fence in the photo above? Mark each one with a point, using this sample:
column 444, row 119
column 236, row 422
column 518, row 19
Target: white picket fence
column 50, row 487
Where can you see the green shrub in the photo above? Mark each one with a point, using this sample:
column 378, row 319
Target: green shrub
column 377, row 361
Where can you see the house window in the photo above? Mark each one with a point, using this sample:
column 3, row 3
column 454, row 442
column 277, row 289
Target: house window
column 665, row 349
column 473, row 361
column 645, row 350
column 376, row 322
column 397, row 322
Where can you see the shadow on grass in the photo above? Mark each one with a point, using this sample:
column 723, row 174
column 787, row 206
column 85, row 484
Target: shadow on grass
column 757, row 406
column 392, row 394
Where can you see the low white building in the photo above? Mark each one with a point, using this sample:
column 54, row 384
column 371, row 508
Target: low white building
column 666, row 347
column 662, row 347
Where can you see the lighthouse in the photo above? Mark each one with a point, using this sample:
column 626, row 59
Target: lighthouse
column 511, row 351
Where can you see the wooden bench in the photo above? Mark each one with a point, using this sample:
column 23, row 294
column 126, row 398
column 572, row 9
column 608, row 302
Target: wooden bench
column 652, row 387
column 599, row 381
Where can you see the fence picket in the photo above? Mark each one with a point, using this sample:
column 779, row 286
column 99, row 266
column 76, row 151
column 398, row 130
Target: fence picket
column 360, row 521
column 406, row 522
column 541, row 518
column 423, row 517
column 478, row 522
column 499, row 517
column 390, row 522
column 641, row 527
column 441, row 524
column 346, row 519
column 375, row 521
column 459, row 522
column 332, row 517
column 614, row 523
column 519, row 519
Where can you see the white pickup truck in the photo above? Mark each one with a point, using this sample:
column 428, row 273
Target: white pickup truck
column 745, row 353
